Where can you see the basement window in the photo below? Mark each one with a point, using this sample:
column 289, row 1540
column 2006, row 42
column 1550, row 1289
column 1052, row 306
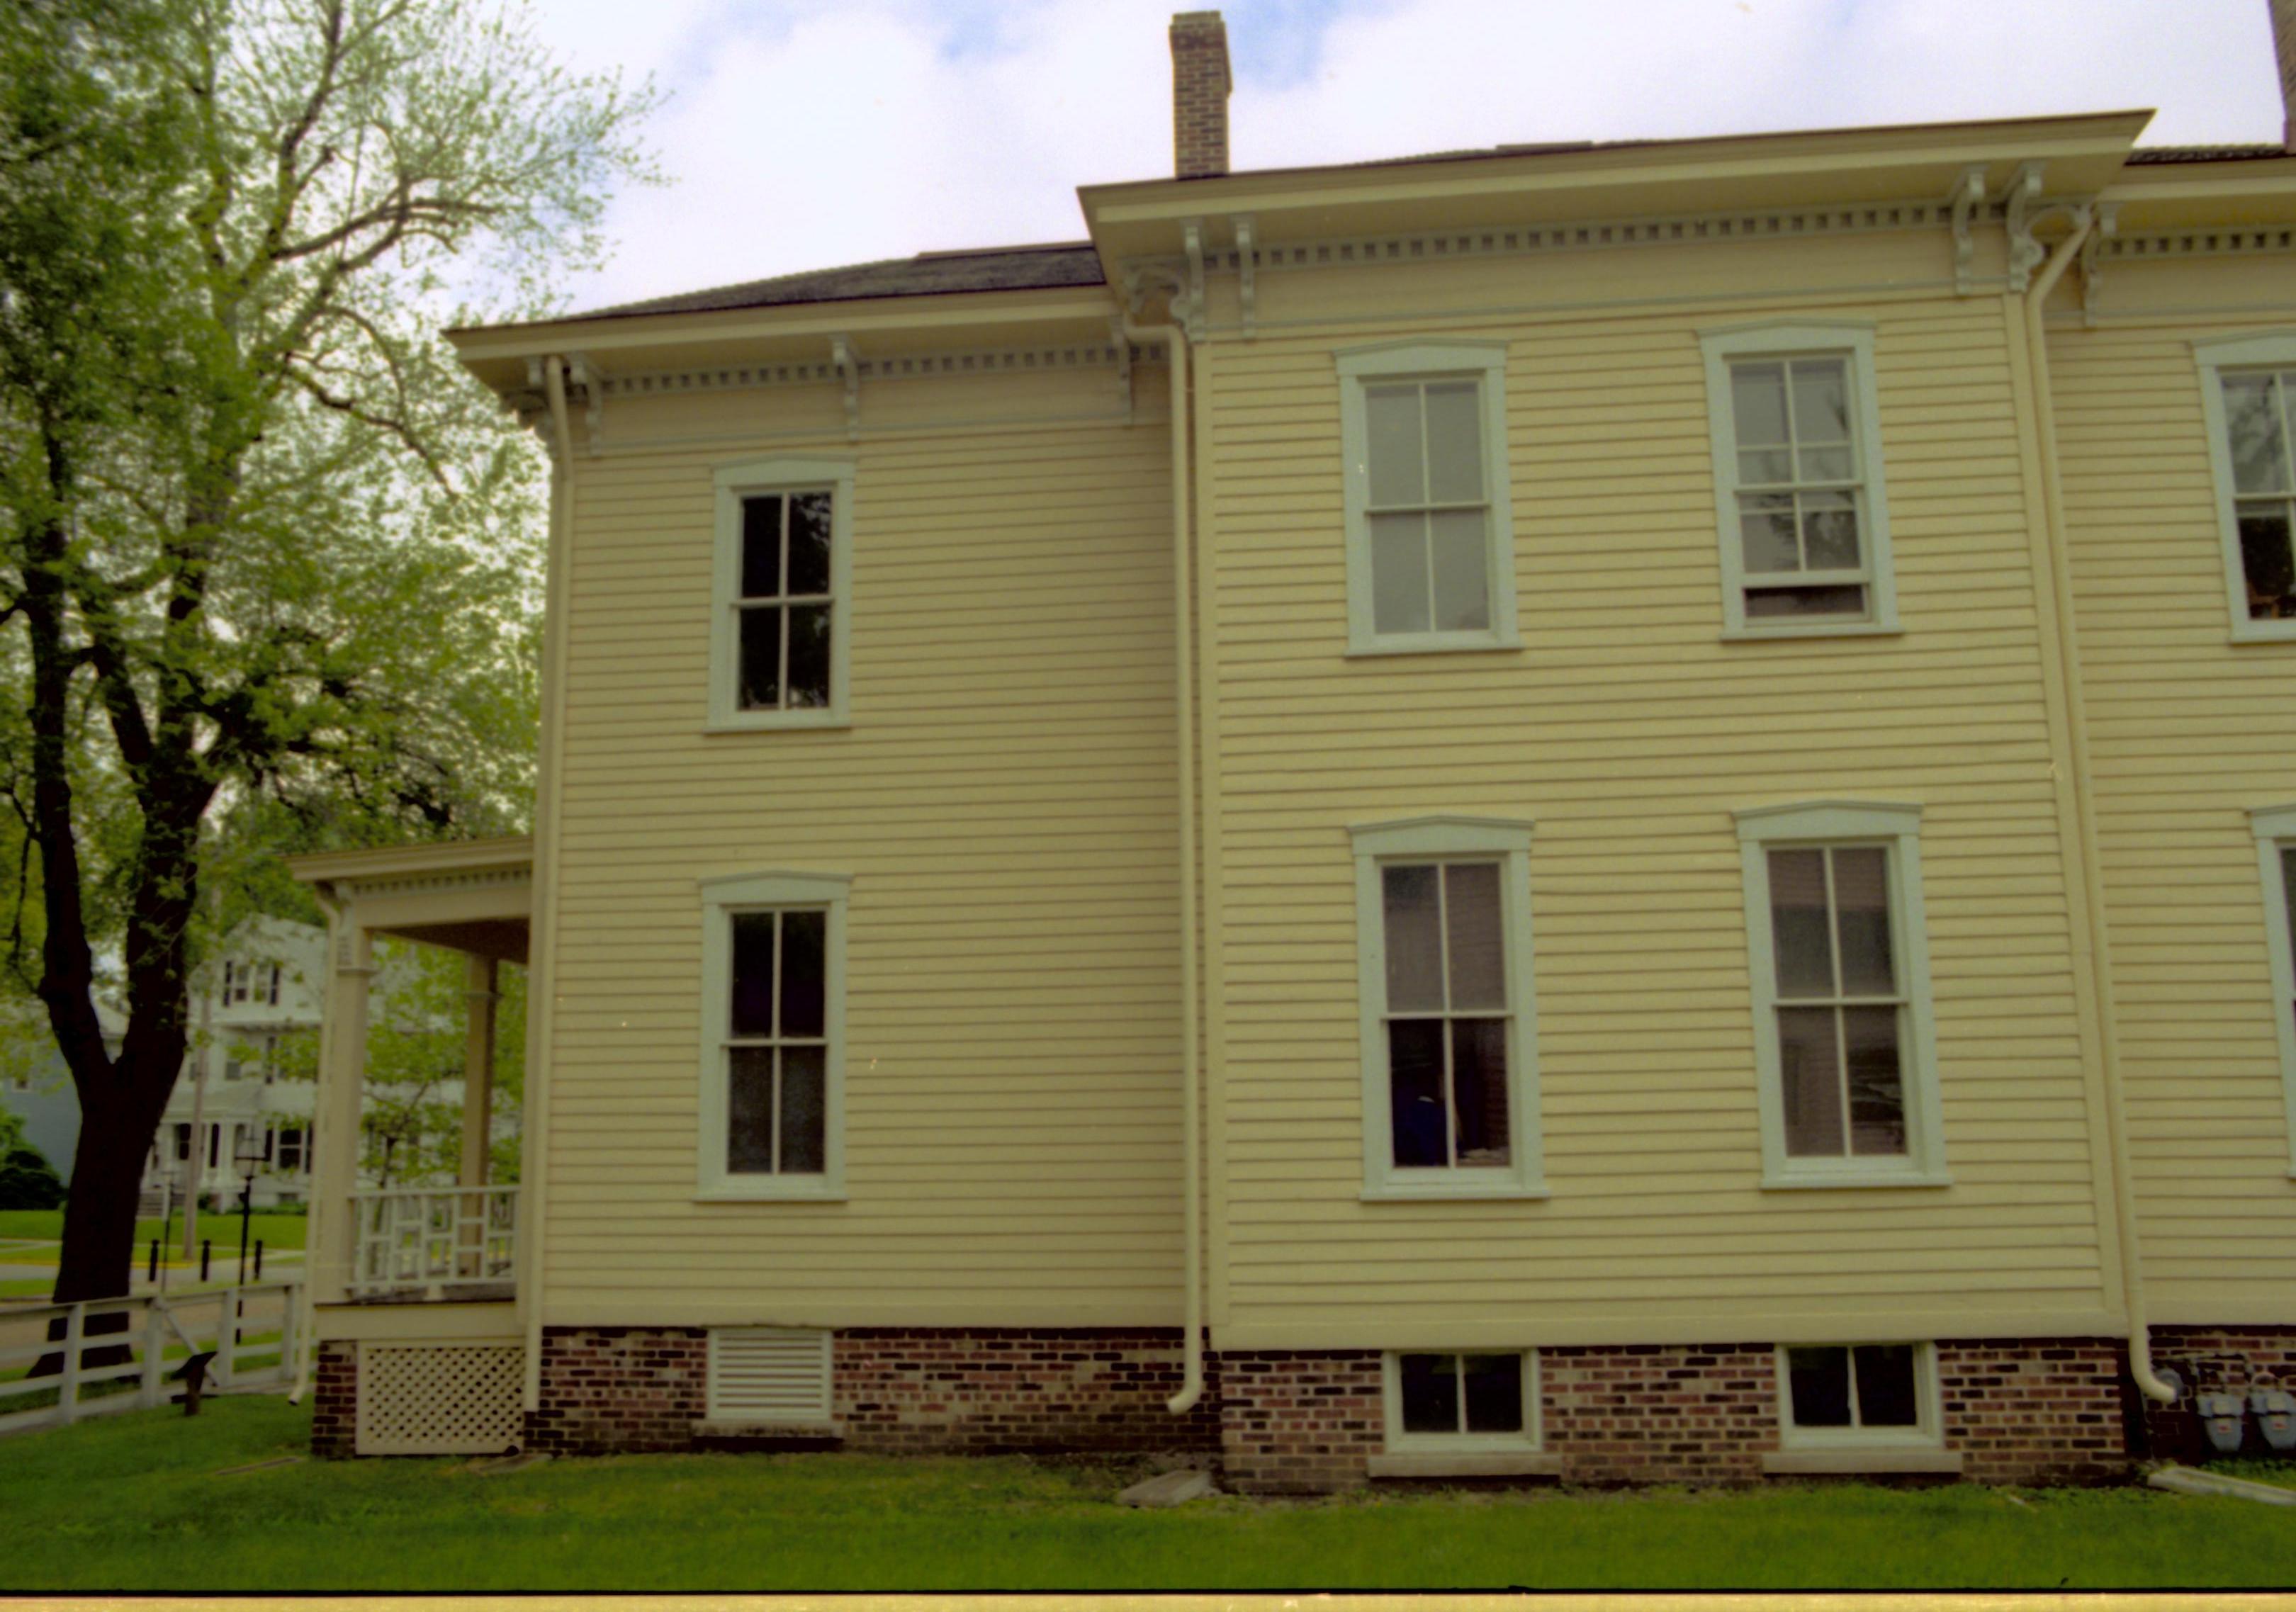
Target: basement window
column 1860, row 1393
column 1461, row 1400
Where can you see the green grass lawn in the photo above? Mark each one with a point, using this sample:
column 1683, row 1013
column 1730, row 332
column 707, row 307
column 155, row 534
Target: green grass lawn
column 139, row 1503
column 48, row 1226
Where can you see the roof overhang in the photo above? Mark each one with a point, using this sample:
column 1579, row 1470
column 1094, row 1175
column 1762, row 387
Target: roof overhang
column 2245, row 193
column 474, row 896
column 790, row 333
column 1659, row 179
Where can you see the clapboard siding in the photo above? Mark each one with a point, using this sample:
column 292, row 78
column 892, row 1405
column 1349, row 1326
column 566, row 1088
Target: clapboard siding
column 2188, row 730
column 1630, row 733
column 1004, row 801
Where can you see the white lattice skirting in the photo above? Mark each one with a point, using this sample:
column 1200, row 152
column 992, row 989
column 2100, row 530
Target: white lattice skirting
column 439, row 1399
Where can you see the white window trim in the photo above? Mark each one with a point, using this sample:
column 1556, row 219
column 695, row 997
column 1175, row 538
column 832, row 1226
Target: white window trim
column 1415, row 839
column 751, row 892
column 754, row 477
column 1485, row 362
column 1788, row 338
column 1760, row 831
column 2275, row 827
column 1529, row 1441
column 2265, row 349
column 1927, row 1434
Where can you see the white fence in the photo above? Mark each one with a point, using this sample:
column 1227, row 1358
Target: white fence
column 132, row 1365
column 433, row 1242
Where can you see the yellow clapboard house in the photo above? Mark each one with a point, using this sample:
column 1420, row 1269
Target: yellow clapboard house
column 1617, row 812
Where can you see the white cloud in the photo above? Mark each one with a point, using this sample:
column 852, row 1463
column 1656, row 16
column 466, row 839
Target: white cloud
column 805, row 134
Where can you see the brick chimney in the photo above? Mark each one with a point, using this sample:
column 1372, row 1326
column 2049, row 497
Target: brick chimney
column 2284, row 35
column 1200, row 82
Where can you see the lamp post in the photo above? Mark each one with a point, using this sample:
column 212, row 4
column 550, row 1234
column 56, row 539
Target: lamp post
column 251, row 1154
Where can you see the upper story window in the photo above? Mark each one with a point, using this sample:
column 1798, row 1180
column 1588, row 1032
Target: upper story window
column 1799, row 501
column 1449, row 1048
column 780, row 637
column 1429, row 532
column 290, row 1151
column 2246, row 388
column 1843, row 1035
column 773, row 1036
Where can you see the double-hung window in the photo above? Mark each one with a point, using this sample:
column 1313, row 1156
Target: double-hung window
column 1843, row 1036
column 1804, row 520
column 1429, row 532
column 773, row 1036
column 2276, row 847
column 1450, row 1045
column 780, row 635
column 2247, row 398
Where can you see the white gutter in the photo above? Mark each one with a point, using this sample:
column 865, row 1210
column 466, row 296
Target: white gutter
column 1175, row 337
column 2092, row 869
column 541, row 970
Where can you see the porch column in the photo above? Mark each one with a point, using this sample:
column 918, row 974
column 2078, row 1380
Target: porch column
column 478, row 1071
column 335, row 1119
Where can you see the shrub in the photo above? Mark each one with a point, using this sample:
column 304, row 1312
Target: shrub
column 29, row 1181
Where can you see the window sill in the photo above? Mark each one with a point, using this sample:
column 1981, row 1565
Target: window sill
column 1853, row 1461
column 1465, row 1463
column 2264, row 631
column 779, row 721
column 1818, row 1182
column 1443, row 1193
column 743, row 1192
column 1815, row 629
column 1434, row 645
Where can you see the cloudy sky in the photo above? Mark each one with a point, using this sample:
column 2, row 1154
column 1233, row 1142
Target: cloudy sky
column 807, row 133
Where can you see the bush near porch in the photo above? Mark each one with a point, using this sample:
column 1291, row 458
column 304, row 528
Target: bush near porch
column 141, row 1502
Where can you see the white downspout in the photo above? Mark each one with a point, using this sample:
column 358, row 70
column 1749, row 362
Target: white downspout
column 1184, row 682
column 2140, row 1340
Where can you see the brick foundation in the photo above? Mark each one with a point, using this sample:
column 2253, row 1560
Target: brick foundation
column 2048, row 1412
column 1643, row 1413
column 614, row 1390
column 1298, row 1421
column 335, row 1401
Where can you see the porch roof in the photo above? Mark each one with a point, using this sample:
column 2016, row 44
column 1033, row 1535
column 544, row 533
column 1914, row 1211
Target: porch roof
column 474, row 896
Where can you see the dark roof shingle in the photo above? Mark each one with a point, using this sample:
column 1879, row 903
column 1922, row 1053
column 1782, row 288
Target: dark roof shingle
column 1013, row 268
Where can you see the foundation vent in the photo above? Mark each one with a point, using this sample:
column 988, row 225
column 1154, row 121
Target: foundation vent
column 768, row 1375
column 439, row 1399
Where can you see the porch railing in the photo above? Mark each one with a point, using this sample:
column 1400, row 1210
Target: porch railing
column 122, row 1354
column 434, row 1242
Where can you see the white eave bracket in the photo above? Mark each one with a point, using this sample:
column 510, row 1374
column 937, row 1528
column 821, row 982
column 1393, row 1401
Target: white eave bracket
column 583, row 376
column 1247, row 255
column 2091, row 267
column 1968, row 199
column 1123, row 345
column 1193, row 233
column 848, row 364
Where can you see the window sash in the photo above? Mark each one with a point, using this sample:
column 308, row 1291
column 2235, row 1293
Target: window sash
column 778, row 1044
column 1447, row 1014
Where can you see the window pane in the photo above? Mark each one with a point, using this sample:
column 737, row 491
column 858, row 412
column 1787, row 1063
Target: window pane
column 1829, row 531
column 762, row 658
column 2288, row 881
column 1766, row 528
column 1877, row 1097
column 1480, row 1090
column 1392, row 425
column 1414, row 943
column 1493, row 1391
column 1431, row 1393
column 1757, row 402
column 1826, row 464
column 2265, row 559
column 761, row 547
column 1454, row 443
column 750, row 1111
column 2259, row 457
column 1810, row 1064
column 1462, row 589
column 1821, row 400
column 802, row 1083
column 1399, row 573
column 1819, row 1382
column 804, row 937
column 808, row 656
column 1759, row 465
column 1861, row 901
column 1761, row 602
column 753, row 974
column 1414, row 1064
column 1885, row 1385
column 1797, row 928
column 1478, row 941
column 808, row 543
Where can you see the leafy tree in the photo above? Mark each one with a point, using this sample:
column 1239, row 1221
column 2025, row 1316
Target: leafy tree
column 266, row 554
